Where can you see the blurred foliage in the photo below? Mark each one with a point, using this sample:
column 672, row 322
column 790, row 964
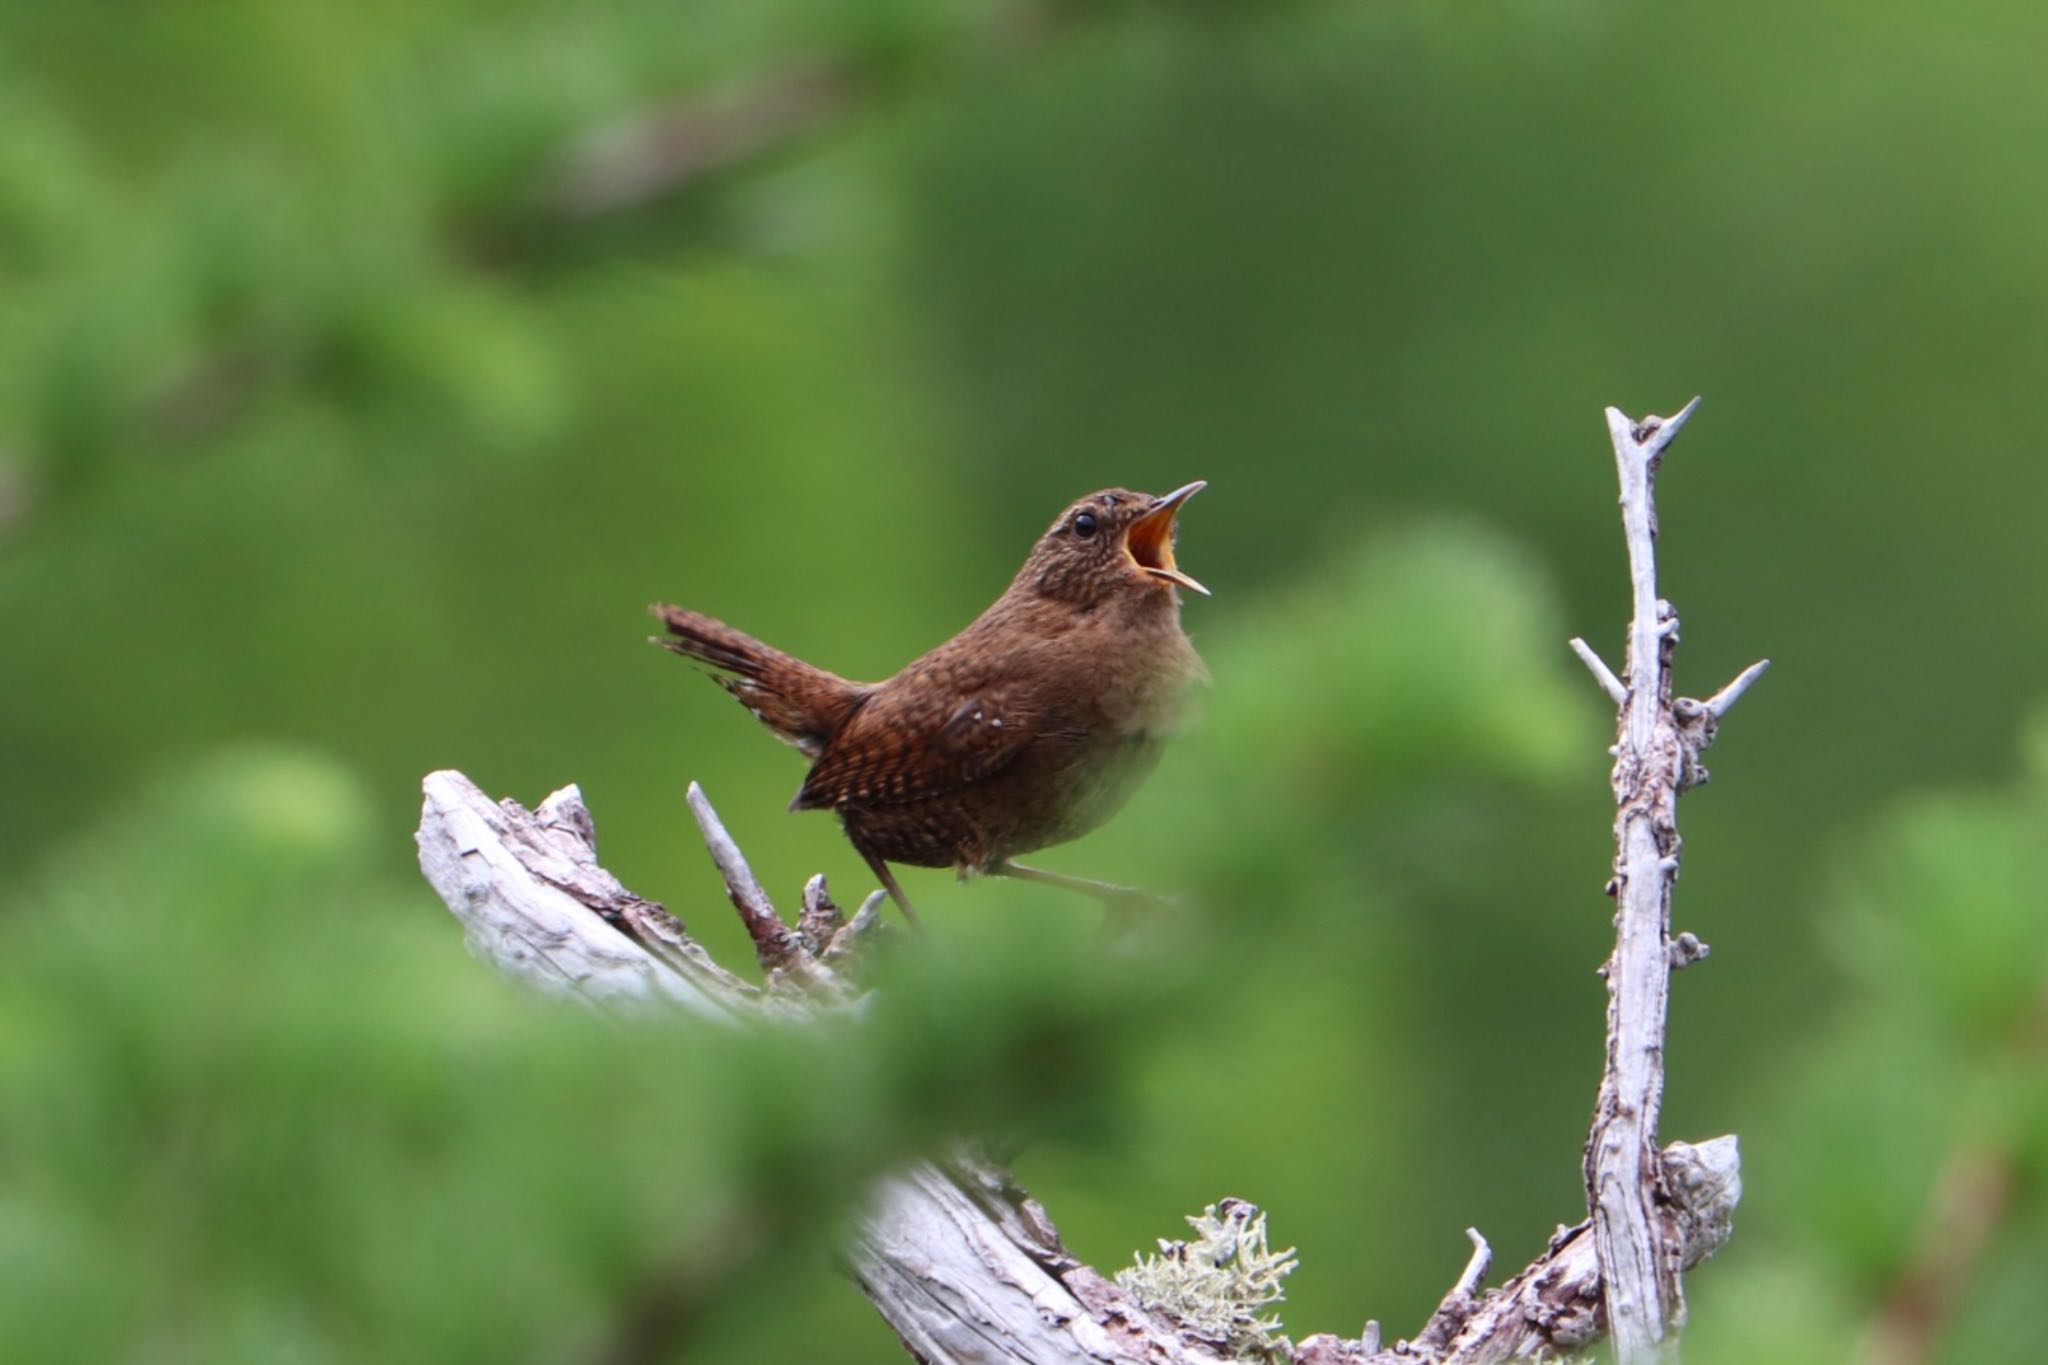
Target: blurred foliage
column 337, row 444
column 257, row 1103
column 1911, row 1132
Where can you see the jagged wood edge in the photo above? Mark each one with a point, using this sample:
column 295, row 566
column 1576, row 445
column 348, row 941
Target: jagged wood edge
column 960, row 1261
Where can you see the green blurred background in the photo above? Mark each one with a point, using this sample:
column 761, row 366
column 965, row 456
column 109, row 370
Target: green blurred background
column 365, row 368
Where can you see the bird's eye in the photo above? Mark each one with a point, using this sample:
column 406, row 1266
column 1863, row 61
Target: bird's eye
column 1084, row 524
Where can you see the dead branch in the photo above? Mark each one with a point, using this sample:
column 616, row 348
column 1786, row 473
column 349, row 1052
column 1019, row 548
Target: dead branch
column 1637, row 1224
column 962, row 1263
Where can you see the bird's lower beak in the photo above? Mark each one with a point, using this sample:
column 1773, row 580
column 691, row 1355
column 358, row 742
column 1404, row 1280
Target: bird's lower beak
column 1151, row 537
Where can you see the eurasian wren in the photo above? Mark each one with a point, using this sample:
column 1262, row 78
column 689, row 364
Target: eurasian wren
column 1029, row 728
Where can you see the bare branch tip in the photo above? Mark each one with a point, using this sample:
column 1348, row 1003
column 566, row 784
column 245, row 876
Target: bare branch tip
column 1654, row 433
column 708, row 822
column 1475, row 1269
column 1722, row 702
column 1649, row 437
column 864, row 922
column 723, row 846
column 1602, row 674
column 771, row 937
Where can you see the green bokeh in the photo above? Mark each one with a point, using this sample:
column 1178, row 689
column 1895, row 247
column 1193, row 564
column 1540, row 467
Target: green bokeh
column 333, row 450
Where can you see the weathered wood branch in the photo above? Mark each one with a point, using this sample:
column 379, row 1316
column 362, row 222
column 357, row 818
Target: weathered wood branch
column 961, row 1263
column 1637, row 1224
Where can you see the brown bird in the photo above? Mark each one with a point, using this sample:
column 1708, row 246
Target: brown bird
column 1029, row 728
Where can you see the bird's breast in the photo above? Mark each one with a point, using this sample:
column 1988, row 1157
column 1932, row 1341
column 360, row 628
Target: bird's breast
column 1141, row 682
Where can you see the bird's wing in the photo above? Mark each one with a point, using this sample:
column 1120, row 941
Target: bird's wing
column 916, row 743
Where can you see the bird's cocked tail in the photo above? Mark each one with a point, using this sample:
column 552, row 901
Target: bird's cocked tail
column 804, row 706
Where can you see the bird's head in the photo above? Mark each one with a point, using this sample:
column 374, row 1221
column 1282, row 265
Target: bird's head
column 1115, row 541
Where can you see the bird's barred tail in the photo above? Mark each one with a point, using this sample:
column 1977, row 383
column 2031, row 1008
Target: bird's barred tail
column 803, row 705
column 707, row 640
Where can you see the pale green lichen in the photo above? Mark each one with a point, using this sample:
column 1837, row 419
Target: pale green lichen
column 1217, row 1284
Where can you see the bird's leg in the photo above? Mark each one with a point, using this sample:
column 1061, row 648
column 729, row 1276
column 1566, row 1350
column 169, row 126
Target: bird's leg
column 1120, row 901
column 888, row 878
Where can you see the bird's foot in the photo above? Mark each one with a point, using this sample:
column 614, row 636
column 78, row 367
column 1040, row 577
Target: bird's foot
column 888, row 880
column 1127, row 906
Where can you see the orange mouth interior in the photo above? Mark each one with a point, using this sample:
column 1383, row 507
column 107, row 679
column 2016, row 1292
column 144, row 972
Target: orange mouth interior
column 1150, row 539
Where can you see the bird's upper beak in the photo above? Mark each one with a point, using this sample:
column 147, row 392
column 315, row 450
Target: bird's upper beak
column 1151, row 537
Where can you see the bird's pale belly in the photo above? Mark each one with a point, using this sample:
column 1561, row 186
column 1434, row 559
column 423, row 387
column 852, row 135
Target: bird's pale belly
column 1052, row 795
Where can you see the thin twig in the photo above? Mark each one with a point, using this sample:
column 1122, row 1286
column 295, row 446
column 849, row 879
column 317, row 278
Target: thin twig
column 1459, row 1301
column 1476, row 1268
column 774, row 942
column 858, row 931
column 1602, row 674
column 1722, row 702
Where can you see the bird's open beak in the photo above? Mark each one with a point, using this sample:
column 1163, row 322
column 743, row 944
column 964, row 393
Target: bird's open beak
column 1150, row 538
